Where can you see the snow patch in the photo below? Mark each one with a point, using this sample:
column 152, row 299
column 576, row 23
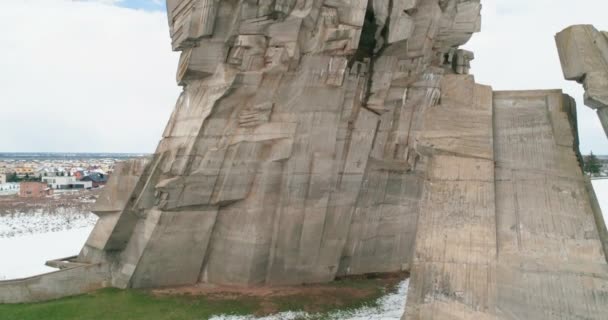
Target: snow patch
column 388, row 307
column 41, row 221
column 24, row 256
column 29, row 239
column 601, row 192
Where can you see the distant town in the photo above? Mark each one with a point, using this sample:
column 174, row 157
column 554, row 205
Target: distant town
column 36, row 175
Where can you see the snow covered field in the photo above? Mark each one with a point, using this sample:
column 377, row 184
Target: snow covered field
column 39, row 221
column 25, row 255
column 28, row 240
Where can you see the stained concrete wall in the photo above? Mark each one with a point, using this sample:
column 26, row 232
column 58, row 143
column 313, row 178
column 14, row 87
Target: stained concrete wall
column 516, row 236
column 55, row 285
column 455, row 249
column 551, row 263
column 110, row 206
column 176, row 249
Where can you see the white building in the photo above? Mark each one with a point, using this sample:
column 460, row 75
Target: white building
column 2, row 178
column 9, row 188
column 66, row 183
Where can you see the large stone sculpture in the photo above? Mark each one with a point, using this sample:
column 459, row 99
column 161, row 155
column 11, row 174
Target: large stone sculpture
column 583, row 51
column 293, row 154
column 321, row 138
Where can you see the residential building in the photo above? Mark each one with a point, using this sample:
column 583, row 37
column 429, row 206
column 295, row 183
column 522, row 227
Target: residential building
column 79, row 174
column 2, row 178
column 9, row 188
column 97, row 179
column 25, row 171
column 46, row 172
column 66, row 183
column 34, row 190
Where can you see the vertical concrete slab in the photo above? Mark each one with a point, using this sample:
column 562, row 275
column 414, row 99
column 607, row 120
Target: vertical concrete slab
column 174, row 252
column 453, row 271
column 550, row 257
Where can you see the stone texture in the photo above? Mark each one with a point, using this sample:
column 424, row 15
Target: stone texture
column 583, row 51
column 294, row 153
column 455, row 249
column 54, row 285
column 508, row 229
column 550, row 255
column 317, row 139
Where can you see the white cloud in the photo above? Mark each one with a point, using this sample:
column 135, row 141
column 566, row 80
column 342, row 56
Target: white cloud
column 516, row 50
column 83, row 76
column 90, row 76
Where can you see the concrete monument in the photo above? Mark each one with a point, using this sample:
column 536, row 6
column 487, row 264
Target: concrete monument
column 322, row 138
column 583, row 51
column 294, row 154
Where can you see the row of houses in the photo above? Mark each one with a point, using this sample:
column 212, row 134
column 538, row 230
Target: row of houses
column 94, row 180
column 49, row 171
column 50, row 183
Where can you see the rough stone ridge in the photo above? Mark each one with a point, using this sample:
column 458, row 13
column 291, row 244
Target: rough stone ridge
column 320, row 138
column 583, row 51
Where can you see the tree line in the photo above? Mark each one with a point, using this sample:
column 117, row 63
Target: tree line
column 592, row 165
column 13, row 177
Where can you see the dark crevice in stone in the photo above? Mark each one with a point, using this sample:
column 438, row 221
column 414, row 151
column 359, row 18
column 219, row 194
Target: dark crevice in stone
column 367, row 42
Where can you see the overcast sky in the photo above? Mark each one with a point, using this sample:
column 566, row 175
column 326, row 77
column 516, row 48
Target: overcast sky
column 99, row 76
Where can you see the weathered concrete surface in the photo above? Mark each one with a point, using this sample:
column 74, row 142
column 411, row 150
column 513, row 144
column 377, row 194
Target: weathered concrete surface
column 55, row 285
column 513, row 235
column 455, row 250
column 583, row 51
column 292, row 155
column 110, row 204
column 551, row 263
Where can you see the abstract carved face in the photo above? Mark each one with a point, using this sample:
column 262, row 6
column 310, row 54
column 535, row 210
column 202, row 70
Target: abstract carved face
column 248, row 52
column 276, row 59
